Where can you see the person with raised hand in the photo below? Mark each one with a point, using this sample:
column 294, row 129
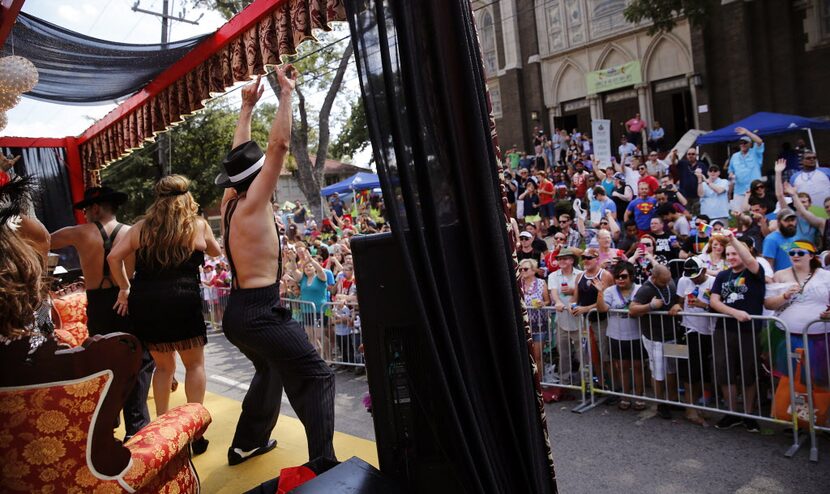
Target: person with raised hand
column 255, row 321
column 739, row 293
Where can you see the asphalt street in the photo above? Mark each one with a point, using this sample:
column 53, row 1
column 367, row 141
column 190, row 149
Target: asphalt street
column 604, row 449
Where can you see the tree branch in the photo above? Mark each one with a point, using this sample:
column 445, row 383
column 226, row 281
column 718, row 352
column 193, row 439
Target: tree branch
column 325, row 110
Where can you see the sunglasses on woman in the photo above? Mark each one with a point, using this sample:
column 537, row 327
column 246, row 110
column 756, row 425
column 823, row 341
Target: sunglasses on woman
column 647, row 244
column 622, row 276
column 798, row 252
column 588, row 258
column 524, row 269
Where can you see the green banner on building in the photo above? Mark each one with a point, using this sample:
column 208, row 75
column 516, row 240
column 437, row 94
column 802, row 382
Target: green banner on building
column 615, row 77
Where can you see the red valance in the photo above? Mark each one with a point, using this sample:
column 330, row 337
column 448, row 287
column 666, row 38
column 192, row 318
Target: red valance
column 275, row 34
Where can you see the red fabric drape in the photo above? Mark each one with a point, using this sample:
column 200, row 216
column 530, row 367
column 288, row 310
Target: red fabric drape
column 275, row 35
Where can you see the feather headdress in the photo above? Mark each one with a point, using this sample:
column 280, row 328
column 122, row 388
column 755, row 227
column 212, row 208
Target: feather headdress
column 15, row 194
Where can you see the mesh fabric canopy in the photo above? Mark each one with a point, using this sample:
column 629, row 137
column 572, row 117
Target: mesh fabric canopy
column 74, row 68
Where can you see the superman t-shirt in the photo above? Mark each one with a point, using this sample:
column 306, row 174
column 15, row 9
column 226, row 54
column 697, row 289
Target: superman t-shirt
column 643, row 211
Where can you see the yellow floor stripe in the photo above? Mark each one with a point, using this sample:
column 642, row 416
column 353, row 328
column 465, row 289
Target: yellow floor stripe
column 292, row 450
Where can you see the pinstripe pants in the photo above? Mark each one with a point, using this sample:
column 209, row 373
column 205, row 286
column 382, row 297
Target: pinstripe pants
column 283, row 357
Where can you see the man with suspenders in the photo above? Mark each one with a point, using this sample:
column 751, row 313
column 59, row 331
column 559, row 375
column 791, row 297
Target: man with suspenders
column 93, row 241
column 254, row 320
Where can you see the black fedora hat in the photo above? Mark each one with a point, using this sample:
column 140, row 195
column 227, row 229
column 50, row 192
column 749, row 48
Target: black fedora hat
column 242, row 164
column 98, row 195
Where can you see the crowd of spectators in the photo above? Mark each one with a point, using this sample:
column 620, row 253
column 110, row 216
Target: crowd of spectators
column 659, row 229
column 654, row 231
column 317, row 268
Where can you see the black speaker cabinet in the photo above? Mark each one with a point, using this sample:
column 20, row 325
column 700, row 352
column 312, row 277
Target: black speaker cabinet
column 392, row 333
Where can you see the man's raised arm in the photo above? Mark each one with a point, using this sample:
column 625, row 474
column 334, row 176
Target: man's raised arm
column 250, row 95
column 279, row 139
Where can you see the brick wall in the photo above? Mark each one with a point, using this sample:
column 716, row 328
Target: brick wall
column 752, row 56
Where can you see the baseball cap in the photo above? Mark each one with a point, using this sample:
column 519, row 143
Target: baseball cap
column 784, row 213
column 693, row 267
column 619, row 176
column 525, row 235
column 746, row 139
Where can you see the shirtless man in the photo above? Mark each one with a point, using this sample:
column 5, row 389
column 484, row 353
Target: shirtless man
column 254, row 320
column 93, row 241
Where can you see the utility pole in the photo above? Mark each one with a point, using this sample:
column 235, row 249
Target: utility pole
column 166, row 17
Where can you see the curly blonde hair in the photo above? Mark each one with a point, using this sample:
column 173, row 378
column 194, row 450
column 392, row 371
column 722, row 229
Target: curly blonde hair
column 21, row 282
column 170, row 225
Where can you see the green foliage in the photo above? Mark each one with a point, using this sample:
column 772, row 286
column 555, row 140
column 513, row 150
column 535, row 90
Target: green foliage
column 198, row 146
column 355, row 134
column 228, row 8
column 664, row 13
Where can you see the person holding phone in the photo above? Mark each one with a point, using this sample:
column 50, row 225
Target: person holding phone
column 644, row 259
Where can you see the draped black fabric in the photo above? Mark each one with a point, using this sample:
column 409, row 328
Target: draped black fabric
column 74, row 68
column 52, row 201
column 423, row 87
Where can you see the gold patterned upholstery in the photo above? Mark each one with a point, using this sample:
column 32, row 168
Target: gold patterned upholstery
column 57, row 435
column 71, row 310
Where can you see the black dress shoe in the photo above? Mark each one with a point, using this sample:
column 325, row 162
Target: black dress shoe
column 237, row 456
column 199, row 445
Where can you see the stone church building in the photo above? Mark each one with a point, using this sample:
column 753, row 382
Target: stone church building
column 546, row 59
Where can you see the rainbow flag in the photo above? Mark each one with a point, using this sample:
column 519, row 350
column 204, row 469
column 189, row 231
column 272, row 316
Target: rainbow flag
column 704, row 229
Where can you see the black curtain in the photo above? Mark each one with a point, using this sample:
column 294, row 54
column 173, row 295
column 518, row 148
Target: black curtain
column 52, row 201
column 423, row 87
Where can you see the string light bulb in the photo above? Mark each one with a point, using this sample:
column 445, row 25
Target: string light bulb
column 8, row 100
column 17, row 75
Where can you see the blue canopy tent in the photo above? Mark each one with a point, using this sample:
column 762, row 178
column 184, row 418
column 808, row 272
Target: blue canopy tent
column 764, row 124
column 358, row 181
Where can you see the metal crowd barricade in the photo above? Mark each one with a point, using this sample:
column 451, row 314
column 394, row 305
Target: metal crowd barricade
column 341, row 333
column 605, row 380
column 306, row 313
column 559, row 349
column 214, row 302
column 816, row 351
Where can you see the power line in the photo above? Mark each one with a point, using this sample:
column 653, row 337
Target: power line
column 99, row 16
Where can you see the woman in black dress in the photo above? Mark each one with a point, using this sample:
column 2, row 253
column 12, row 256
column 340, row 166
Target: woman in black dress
column 164, row 302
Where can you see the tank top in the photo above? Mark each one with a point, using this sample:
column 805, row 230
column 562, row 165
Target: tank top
column 187, row 271
column 588, row 292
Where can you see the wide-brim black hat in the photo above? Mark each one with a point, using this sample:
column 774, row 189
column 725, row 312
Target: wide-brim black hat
column 98, row 195
column 242, row 164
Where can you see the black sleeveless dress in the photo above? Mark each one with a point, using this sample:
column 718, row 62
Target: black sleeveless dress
column 166, row 306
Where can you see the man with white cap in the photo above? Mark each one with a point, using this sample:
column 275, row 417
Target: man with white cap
column 745, row 165
column 695, row 288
